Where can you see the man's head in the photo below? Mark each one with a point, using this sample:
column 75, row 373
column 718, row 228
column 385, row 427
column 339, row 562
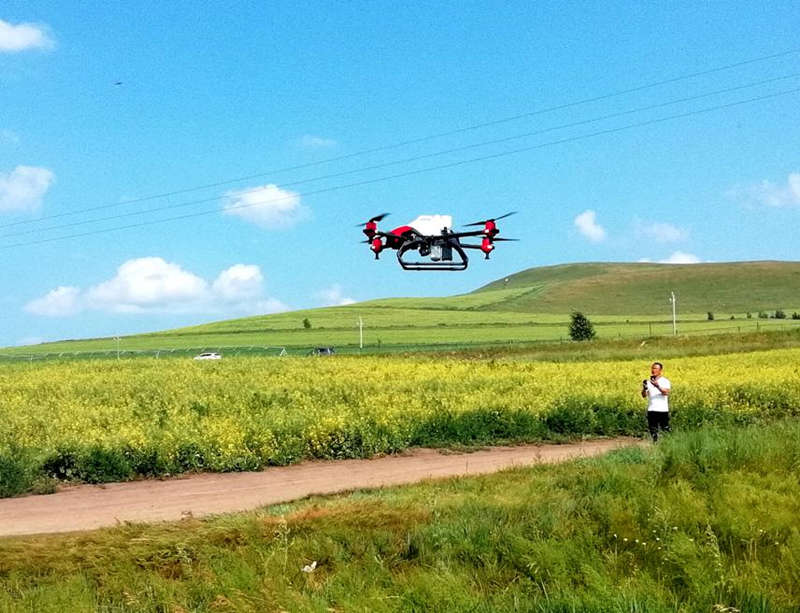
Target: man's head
column 656, row 368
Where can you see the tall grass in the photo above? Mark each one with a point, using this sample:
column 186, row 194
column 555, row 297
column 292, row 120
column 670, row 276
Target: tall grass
column 705, row 521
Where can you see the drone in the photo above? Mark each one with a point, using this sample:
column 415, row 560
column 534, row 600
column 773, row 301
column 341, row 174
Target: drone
column 432, row 237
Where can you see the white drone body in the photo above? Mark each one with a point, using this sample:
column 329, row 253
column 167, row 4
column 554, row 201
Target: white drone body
column 431, row 225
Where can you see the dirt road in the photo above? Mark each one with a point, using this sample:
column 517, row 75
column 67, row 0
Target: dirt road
column 93, row 506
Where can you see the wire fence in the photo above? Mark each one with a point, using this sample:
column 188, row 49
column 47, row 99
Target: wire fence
column 641, row 331
column 178, row 352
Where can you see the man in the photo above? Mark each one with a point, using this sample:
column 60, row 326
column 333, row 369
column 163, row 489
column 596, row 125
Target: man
column 656, row 389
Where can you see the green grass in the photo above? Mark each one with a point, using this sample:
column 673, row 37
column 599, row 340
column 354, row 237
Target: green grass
column 705, row 521
column 617, row 289
column 663, row 347
column 390, row 329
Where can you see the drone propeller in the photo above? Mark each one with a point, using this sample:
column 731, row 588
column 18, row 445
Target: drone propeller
column 376, row 218
column 485, row 221
column 504, row 239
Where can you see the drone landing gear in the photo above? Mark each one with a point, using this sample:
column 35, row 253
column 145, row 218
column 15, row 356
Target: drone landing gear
column 445, row 253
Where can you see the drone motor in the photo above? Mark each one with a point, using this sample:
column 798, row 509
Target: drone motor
column 377, row 246
column 487, row 245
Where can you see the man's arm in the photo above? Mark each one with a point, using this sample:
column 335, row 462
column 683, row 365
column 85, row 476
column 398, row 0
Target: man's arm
column 664, row 389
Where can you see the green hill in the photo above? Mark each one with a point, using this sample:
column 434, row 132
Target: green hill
column 622, row 300
column 644, row 288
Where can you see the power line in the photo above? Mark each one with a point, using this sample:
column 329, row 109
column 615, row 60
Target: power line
column 424, row 170
column 420, row 139
column 414, row 158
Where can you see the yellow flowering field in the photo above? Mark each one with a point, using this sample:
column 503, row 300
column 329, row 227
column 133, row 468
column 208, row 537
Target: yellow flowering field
column 109, row 420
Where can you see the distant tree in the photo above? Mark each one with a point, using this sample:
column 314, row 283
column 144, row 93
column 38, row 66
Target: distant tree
column 749, row 315
column 307, row 323
column 710, row 316
column 580, row 328
column 779, row 314
column 733, row 316
column 795, row 315
column 763, row 315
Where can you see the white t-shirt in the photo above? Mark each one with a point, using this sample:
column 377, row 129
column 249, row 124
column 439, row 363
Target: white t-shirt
column 656, row 401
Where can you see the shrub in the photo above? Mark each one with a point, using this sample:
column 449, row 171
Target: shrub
column 795, row 315
column 580, row 328
column 307, row 323
column 15, row 472
column 710, row 316
column 779, row 314
column 763, row 315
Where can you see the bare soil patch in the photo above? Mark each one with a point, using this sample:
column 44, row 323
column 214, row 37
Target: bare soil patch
column 85, row 507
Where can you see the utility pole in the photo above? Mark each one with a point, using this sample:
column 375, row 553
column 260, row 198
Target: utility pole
column 674, row 323
column 360, row 333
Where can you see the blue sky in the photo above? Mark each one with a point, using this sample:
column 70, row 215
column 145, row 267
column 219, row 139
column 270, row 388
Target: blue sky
column 106, row 107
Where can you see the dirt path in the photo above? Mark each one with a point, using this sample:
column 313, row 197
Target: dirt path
column 86, row 507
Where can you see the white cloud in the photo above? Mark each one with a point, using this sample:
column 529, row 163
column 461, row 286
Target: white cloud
column 317, row 142
column 680, row 257
column 238, row 283
column 24, row 187
column 267, row 206
column 333, row 296
column 60, row 302
column 587, row 225
column 153, row 285
column 660, row 232
column 769, row 194
column 148, row 284
column 23, row 36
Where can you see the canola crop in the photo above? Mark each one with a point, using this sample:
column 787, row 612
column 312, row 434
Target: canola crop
column 99, row 421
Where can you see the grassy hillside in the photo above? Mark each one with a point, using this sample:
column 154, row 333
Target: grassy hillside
column 643, row 288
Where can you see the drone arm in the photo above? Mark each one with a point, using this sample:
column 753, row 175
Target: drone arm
column 466, row 234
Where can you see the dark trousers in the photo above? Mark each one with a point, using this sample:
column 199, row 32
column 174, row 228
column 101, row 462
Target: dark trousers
column 657, row 420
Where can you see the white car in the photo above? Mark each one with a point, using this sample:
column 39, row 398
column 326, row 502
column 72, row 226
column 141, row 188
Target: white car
column 208, row 356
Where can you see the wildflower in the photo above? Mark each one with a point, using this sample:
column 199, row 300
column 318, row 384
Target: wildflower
column 309, row 568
